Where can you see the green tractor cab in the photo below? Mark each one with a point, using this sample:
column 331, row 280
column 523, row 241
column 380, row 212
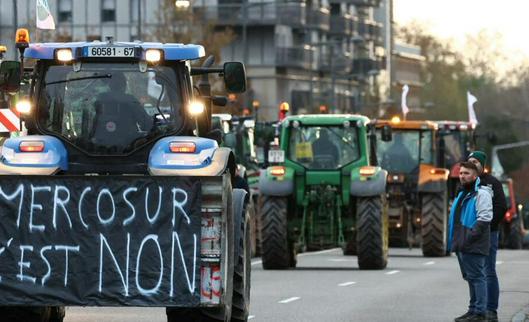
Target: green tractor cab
column 324, row 190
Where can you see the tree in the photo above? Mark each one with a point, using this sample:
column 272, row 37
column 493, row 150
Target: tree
column 191, row 26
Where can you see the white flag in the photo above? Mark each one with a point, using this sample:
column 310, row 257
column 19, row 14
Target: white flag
column 44, row 17
column 471, row 99
column 403, row 103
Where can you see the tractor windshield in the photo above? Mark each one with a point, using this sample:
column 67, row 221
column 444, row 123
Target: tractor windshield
column 110, row 108
column 406, row 151
column 323, row 147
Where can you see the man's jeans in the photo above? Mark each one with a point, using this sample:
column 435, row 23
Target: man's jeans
column 493, row 287
column 473, row 269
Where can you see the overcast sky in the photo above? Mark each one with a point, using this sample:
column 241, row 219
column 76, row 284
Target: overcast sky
column 455, row 18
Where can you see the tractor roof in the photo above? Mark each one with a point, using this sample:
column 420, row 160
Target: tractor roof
column 408, row 125
column 171, row 51
column 328, row 119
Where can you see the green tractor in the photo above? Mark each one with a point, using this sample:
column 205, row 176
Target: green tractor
column 323, row 190
column 238, row 134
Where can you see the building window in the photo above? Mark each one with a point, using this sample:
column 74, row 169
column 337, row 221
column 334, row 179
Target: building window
column 108, row 11
column 65, row 11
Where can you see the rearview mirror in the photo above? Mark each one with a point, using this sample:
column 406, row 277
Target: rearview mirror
column 234, row 77
column 10, row 76
column 386, row 133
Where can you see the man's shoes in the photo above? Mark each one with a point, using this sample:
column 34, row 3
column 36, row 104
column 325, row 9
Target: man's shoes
column 463, row 317
column 491, row 316
column 477, row 318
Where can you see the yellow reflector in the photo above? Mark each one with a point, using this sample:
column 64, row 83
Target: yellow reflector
column 153, row 55
column 31, row 146
column 395, row 119
column 367, row 171
column 437, row 171
column 64, row 55
column 277, row 171
column 182, row 147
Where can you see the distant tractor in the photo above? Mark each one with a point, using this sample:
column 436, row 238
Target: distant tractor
column 455, row 140
column 239, row 135
column 417, row 186
column 511, row 228
column 323, row 189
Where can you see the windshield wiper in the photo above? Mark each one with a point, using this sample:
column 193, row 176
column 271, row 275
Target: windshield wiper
column 80, row 78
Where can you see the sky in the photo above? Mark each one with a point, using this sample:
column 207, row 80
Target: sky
column 452, row 19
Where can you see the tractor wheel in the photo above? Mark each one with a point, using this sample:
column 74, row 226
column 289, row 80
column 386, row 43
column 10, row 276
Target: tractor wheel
column 514, row 239
column 434, row 224
column 371, row 233
column 278, row 253
column 255, row 227
column 241, row 276
column 350, row 246
column 57, row 314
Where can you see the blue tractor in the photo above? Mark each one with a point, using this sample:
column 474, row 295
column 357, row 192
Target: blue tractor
column 119, row 194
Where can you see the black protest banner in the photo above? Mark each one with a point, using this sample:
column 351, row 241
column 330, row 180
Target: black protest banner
column 99, row 240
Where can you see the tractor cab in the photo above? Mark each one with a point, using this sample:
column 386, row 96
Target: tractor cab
column 110, row 102
column 455, row 141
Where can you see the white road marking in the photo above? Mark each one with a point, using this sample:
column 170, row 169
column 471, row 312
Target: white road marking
column 346, row 283
column 257, row 262
column 290, row 299
column 319, row 252
column 342, row 260
column 392, row 272
column 429, row 263
column 499, row 262
column 250, row 317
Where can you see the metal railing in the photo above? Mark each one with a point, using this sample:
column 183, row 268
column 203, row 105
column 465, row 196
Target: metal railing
column 266, row 13
column 299, row 57
column 341, row 25
column 319, row 19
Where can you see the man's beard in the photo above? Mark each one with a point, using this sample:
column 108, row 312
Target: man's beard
column 468, row 185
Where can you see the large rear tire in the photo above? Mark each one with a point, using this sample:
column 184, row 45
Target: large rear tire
column 278, row 253
column 434, row 224
column 241, row 272
column 371, row 233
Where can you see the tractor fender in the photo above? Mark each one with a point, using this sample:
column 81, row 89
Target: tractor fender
column 51, row 159
column 221, row 159
column 432, row 179
column 278, row 186
column 368, row 185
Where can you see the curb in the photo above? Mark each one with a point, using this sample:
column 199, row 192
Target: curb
column 521, row 316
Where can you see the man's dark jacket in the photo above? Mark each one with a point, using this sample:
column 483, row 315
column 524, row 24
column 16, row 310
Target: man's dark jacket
column 499, row 204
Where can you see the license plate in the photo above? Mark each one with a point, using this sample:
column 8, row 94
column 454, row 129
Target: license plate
column 276, row 156
column 110, row 52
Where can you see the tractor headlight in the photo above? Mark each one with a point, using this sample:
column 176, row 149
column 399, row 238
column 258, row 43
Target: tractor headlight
column 23, row 106
column 153, row 55
column 64, row 55
column 196, row 108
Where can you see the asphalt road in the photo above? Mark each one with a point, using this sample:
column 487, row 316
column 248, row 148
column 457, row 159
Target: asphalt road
column 327, row 286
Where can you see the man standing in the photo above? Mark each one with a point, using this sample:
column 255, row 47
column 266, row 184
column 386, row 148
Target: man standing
column 499, row 207
column 469, row 237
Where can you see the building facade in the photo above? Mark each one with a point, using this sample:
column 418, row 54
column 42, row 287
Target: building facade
column 312, row 54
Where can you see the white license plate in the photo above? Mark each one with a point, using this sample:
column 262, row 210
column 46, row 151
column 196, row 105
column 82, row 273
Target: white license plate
column 276, row 156
column 110, row 52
